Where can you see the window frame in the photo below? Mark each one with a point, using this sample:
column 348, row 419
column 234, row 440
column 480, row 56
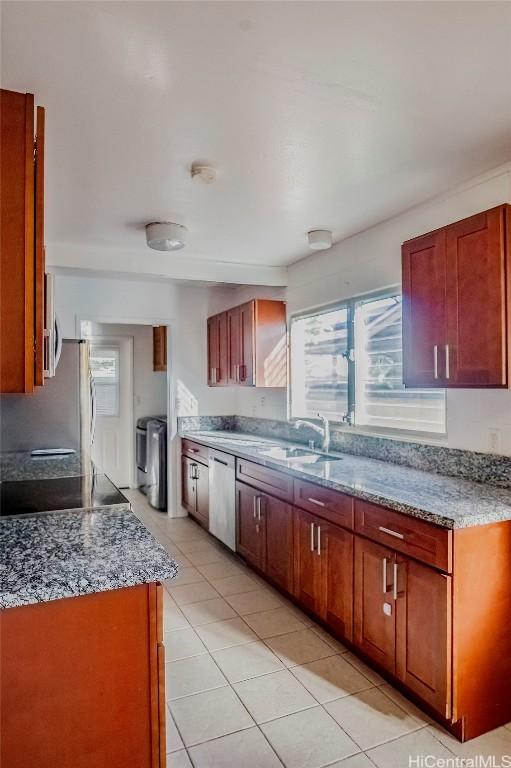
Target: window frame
column 349, row 422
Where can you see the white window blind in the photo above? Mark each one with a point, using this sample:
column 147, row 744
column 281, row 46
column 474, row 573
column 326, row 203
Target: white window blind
column 104, row 364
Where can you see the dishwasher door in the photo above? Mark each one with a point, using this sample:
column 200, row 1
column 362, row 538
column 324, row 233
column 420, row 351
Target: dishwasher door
column 222, row 497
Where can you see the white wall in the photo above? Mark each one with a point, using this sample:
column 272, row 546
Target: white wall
column 372, row 260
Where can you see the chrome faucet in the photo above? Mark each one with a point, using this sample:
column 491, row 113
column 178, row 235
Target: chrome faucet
column 324, row 431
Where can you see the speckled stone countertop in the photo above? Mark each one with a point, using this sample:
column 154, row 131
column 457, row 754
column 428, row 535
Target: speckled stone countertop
column 66, row 554
column 20, row 465
column 446, row 501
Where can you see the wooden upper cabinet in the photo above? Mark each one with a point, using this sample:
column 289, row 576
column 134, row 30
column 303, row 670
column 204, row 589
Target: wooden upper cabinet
column 21, row 243
column 476, row 340
column 160, row 348
column 457, row 304
column 247, row 345
column 424, row 313
column 217, row 350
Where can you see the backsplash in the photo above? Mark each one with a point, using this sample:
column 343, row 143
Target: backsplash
column 479, row 467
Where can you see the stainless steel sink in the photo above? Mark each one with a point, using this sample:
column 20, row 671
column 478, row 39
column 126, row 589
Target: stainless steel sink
column 298, row 455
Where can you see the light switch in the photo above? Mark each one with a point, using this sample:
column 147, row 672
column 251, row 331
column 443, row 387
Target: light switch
column 387, row 609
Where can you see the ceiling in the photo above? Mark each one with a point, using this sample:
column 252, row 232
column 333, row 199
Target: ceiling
column 330, row 115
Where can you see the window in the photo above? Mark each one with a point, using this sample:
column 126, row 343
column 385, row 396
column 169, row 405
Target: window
column 104, row 365
column 346, row 363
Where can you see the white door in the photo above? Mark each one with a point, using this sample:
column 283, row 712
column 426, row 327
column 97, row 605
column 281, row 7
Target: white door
column 111, row 361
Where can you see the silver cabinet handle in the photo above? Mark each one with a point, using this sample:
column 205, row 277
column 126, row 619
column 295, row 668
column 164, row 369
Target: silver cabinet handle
column 255, row 506
column 312, row 537
column 319, row 540
column 435, row 361
column 394, row 586
column 447, row 362
column 259, row 507
column 384, row 562
column 390, row 532
column 316, row 501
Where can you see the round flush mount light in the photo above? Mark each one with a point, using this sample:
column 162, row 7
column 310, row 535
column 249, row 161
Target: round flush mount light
column 320, row 239
column 203, row 174
column 165, row 236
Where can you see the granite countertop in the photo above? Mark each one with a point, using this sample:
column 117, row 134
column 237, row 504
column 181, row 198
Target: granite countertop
column 446, row 501
column 20, row 465
column 55, row 555
column 66, row 530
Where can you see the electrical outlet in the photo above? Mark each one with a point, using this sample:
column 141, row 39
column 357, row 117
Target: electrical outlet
column 495, row 440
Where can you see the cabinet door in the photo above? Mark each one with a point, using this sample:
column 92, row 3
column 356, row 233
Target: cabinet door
column 423, row 636
column 17, row 265
column 188, row 493
column 223, row 350
column 201, row 474
column 246, row 370
column 336, row 546
column 375, row 615
column 213, row 350
column 278, row 556
column 424, row 310
column 475, row 351
column 234, row 344
column 39, row 272
column 309, row 569
column 249, row 529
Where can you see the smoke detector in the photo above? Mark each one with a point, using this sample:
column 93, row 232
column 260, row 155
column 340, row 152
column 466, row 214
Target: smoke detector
column 320, row 239
column 203, row 174
column 165, row 236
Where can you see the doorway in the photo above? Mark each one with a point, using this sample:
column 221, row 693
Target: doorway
column 131, row 386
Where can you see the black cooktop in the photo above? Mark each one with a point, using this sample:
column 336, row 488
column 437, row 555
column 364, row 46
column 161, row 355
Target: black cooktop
column 24, row 497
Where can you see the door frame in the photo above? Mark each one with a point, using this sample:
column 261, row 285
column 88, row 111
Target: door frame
column 173, row 455
column 128, row 340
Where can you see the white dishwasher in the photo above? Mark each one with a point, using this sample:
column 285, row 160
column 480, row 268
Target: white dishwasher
column 222, row 497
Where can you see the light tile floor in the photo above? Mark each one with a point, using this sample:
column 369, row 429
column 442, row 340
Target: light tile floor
column 252, row 682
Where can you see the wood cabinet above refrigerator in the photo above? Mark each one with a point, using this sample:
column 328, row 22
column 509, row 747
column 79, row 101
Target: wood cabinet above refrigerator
column 457, row 304
column 21, row 243
column 247, row 345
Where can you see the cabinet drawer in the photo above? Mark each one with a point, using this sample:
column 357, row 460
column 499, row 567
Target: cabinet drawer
column 270, row 480
column 332, row 505
column 417, row 538
column 195, row 450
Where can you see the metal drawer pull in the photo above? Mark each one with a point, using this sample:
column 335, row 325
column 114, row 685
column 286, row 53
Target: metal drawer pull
column 255, row 506
column 384, row 561
column 316, row 501
column 193, row 450
column 219, row 461
column 312, row 537
column 435, row 361
column 447, row 362
column 394, row 586
column 259, row 507
column 319, row 539
column 390, row 532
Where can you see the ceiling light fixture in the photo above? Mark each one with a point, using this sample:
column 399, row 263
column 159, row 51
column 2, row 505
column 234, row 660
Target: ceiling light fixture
column 165, row 236
column 319, row 239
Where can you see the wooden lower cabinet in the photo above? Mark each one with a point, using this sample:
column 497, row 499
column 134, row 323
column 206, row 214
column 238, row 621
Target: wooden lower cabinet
column 82, row 682
column 324, row 570
column 423, row 632
column 264, row 534
column 403, row 620
column 278, row 541
column 195, row 489
column 249, row 529
column 375, row 612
